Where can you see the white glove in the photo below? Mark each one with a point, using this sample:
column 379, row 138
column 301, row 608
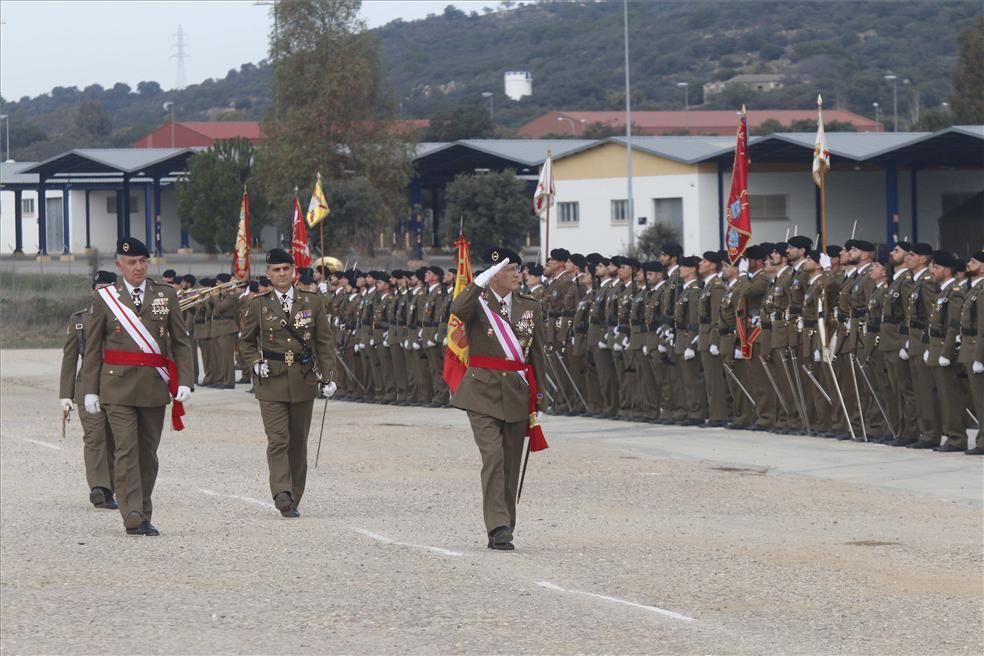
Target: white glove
column 385, row 344
column 602, row 345
column 183, row 395
column 689, row 354
column 739, row 355
column 756, row 320
column 714, row 350
column 926, row 357
column 416, row 346
column 669, row 335
column 430, row 343
column 824, row 261
column 816, row 355
column 847, row 326
column 903, row 354
column 539, row 416
column 482, row 279
column 617, row 346
column 616, row 330
column 261, row 369
column 743, row 265
column 645, row 350
column 661, row 348
column 92, row 403
column 328, row 389
column 978, row 367
column 625, row 342
column 444, row 342
column 799, row 324
column 944, row 362
column 66, row 405
column 406, row 344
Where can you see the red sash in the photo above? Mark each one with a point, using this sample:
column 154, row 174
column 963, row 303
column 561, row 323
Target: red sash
column 537, row 441
column 134, row 359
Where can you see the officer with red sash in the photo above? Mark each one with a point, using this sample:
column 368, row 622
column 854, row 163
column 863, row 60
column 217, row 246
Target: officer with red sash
column 137, row 358
column 499, row 389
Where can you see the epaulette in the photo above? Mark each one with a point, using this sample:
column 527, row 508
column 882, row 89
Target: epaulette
column 266, row 293
column 304, row 291
column 526, row 296
column 82, row 311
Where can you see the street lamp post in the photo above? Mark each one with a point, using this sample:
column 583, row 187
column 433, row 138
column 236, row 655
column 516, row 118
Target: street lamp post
column 491, row 97
column 573, row 124
column 6, row 117
column 686, row 94
column 630, row 210
column 877, row 110
column 895, row 100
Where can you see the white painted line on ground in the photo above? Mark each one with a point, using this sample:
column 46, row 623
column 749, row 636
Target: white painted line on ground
column 40, row 443
column 257, row 502
column 653, row 609
column 386, row 540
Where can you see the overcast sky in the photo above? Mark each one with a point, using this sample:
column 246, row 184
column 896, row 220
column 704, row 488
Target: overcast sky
column 45, row 44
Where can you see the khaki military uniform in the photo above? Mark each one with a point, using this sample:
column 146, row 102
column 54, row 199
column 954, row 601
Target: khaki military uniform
column 381, row 314
column 941, row 334
column 597, row 341
column 728, row 341
column 923, row 294
column 224, row 334
column 687, row 323
column 708, row 313
column 972, row 345
column 893, row 334
column 432, row 343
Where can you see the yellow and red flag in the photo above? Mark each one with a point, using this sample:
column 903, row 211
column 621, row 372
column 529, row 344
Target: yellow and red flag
column 736, row 212
column 318, row 208
column 240, row 255
column 299, row 239
column 456, row 352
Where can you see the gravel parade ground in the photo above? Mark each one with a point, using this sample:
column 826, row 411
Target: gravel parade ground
column 632, row 539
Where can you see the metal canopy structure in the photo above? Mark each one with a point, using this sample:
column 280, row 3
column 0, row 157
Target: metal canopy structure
column 118, row 169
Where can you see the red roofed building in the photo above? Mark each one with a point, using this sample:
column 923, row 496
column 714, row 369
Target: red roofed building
column 193, row 134
column 695, row 122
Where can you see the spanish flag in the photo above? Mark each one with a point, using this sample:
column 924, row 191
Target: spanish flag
column 456, row 352
column 318, row 207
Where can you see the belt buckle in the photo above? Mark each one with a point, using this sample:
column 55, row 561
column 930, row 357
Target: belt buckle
column 289, row 358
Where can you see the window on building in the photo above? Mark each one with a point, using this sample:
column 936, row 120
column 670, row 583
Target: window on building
column 620, row 210
column 111, row 204
column 773, row 207
column 568, row 214
column 669, row 211
column 27, row 205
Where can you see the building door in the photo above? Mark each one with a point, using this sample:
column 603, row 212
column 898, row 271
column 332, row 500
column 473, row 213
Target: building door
column 669, row 212
column 55, row 222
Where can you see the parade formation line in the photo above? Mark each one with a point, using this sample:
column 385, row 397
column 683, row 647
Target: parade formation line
column 425, row 547
column 40, row 443
column 652, row 609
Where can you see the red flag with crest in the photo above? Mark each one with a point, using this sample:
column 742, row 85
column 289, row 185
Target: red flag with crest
column 456, row 352
column 737, row 213
column 240, row 256
column 299, row 241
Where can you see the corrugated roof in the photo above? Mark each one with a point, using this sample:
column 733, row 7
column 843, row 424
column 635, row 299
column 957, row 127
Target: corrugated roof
column 10, row 173
column 855, row 146
column 530, row 152
column 124, row 160
column 681, row 149
column 697, row 119
column 225, row 129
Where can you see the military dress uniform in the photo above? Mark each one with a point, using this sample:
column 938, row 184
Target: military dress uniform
column 893, row 333
column 687, row 328
column 972, row 343
column 943, row 328
column 921, row 299
column 223, row 336
column 290, row 334
column 708, row 313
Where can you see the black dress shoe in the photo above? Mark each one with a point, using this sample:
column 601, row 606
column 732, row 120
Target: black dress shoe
column 291, row 513
column 756, row 427
column 283, row 502
column 100, row 497
column 921, row 444
column 842, row 437
column 901, row 441
column 948, row 448
column 133, row 520
column 110, row 502
column 716, row 423
column 501, row 539
column 145, row 528
column 976, row 451
column 692, row 422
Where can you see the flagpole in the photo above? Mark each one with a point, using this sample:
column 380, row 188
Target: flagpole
column 823, row 191
column 546, row 247
column 321, row 225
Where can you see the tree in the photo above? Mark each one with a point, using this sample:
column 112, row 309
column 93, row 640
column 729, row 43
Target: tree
column 326, row 77
column 653, row 238
column 768, row 126
column 92, row 118
column 934, row 119
column 209, row 200
column 495, row 208
column 968, row 76
column 460, row 123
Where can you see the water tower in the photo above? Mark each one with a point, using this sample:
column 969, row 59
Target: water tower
column 518, row 84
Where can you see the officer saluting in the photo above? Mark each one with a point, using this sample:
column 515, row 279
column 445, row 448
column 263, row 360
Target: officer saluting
column 505, row 335
column 288, row 339
column 137, row 357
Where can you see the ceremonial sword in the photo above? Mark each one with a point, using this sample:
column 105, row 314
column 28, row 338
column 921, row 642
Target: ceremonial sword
column 738, row 383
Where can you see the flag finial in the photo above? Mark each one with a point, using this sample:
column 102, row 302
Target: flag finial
column 819, row 100
column 743, row 110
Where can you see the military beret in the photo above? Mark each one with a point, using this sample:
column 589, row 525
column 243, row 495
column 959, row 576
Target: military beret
column 500, row 253
column 961, row 266
column 382, row 276
column 863, row 245
column 190, row 279
column 535, row 270
column 849, row 244
column 132, row 247
column 834, row 250
column 307, row 277
column 922, row 248
column 979, row 256
column 398, row 273
column 579, row 260
column 103, row 278
column 254, row 286
column 452, row 271
column 593, row 258
column 883, row 258
column 436, row 270
column 264, row 281
column 673, row 250
column 904, row 245
column 606, row 261
column 560, row 254
column 945, row 259
column 780, row 247
column 630, row 262
column 691, row 261
column 278, row 256
column 652, row 266
column 756, row 253
column 206, row 282
column 169, row 273
column 713, row 256
column 799, row 241
column 223, row 277
column 814, row 255
column 419, row 273
column 617, row 260
column 768, row 247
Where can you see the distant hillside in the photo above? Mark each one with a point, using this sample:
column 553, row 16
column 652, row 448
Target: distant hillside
column 574, row 50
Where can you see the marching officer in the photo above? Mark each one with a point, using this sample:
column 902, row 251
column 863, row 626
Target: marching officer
column 288, row 338
column 97, row 436
column 137, row 358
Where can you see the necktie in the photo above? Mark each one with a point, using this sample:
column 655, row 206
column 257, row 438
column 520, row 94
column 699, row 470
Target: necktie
column 136, row 298
column 285, row 303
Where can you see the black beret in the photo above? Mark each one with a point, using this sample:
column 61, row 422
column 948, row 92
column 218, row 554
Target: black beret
column 452, row 271
column 979, row 256
column 206, row 282
column 398, row 273
column 652, row 266
column 593, row 258
column 945, row 259
column 278, row 256
column 169, row 273
column 768, row 247
column 535, row 270
column 307, row 277
column 190, row 279
column 713, row 256
column 814, row 255
column 579, row 260
column 756, row 253
column 834, row 250
column 849, row 244
column 419, row 273
column 883, row 258
column 617, row 260
column 690, row 261
column 436, row 270
column 904, row 245
column 254, row 286
column 132, row 247
column 673, row 250
column 500, row 253
column 264, row 281
column 960, row 266
column 922, row 248
column 350, row 278
column 382, row 276
column 606, row 261
column 779, row 247
column 223, row 277
column 863, row 245
column 103, row 278
column 799, row 241
column 631, row 262
column 560, row 254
